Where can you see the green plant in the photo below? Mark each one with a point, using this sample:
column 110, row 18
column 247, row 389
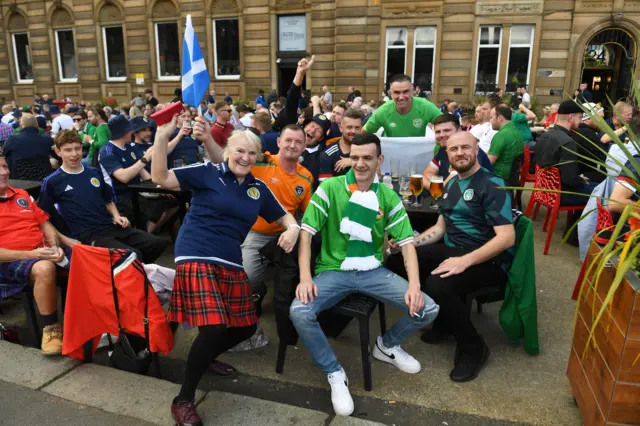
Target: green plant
column 478, row 100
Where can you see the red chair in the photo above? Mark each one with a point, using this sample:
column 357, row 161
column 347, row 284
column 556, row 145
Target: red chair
column 549, row 179
column 525, row 176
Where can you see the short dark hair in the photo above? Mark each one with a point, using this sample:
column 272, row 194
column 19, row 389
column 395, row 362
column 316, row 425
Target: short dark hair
column 447, row 118
column 504, row 111
column 399, row 78
column 292, row 127
column 99, row 111
column 220, row 105
column 357, row 93
column 366, row 139
column 242, row 108
column 149, row 91
column 261, row 92
column 354, row 114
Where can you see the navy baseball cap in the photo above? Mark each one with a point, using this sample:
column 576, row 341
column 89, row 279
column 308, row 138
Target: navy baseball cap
column 138, row 123
column 323, row 121
column 42, row 121
column 54, row 109
column 119, row 126
column 73, row 110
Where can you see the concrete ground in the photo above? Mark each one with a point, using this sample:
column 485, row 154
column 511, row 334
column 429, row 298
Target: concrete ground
column 514, row 386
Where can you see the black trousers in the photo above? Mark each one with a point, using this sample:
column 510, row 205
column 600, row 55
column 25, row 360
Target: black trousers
column 148, row 247
column 450, row 292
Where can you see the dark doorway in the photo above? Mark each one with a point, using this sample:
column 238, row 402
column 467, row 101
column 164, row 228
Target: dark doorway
column 287, row 66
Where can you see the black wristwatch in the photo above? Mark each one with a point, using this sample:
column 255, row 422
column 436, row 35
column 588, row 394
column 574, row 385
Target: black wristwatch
column 144, row 160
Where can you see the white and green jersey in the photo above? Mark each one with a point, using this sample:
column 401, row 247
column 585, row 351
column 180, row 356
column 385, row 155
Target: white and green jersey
column 325, row 211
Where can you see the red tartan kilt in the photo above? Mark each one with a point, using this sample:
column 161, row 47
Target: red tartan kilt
column 208, row 294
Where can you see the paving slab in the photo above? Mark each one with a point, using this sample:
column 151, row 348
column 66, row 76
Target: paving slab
column 221, row 408
column 115, row 391
column 28, row 367
column 352, row 421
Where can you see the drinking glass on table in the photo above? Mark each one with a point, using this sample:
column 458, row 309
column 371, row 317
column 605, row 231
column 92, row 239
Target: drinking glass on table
column 436, row 188
column 405, row 189
column 416, row 188
column 395, row 170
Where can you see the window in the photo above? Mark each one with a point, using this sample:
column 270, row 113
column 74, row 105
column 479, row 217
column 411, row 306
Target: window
column 488, row 59
column 66, row 56
column 22, row 58
column 114, row 57
column 226, row 48
column 396, row 52
column 167, row 51
column 423, row 58
column 520, row 47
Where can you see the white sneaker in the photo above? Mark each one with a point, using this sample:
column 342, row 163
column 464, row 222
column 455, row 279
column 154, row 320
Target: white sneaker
column 340, row 396
column 396, row 356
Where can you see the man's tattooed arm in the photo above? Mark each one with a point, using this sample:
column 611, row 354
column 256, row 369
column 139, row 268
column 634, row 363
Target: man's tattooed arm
column 431, row 235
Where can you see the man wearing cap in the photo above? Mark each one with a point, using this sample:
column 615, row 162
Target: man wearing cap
column 60, row 121
column 315, row 132
column 587, row 137
column 28, row 143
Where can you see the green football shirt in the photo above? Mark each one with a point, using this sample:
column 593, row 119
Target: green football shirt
column 412, row 124
column 103, row 134
column 325, row 212
column 522, row 124
column 506, row 145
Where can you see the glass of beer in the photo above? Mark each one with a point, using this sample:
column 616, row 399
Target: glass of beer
column 405, row 189
column 436, row 188
column 416, row 188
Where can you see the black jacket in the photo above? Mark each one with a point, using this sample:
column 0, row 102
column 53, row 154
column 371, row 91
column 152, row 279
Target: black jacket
column 554, row 147
column 588, row 141
column 289, row 113
column 27, row 144
column 311, row 161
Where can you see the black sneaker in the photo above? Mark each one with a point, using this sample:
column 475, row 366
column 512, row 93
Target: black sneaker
column 434, row 335
column 468, row 365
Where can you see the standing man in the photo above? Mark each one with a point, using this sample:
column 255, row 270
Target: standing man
column 60, row 121
column 211, row 99
column 268, row 136
column 526, row 98
column 335, row 161
column 352, row 94
column 353, row 212
column 507, row 144
column 336, row 119
column 327, row 97
column 148, row 94
column 222, row 128
column 445, row 105
column 406, row 116
column 260, row 100
column 289, row 114
column 483, row 132
column 585, row 95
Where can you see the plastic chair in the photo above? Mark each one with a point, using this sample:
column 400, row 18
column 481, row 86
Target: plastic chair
column 549, row 178
column 525, row 175
column 605, row 223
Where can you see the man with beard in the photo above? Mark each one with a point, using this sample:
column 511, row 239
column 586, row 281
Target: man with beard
column 507, row 144
column 470, row 247
column 335, row 161
column 336, row 119
column 315, row 136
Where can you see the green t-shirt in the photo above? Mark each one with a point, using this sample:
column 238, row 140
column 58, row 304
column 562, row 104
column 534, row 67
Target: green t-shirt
column 506, row 145
column 522, row 124
column 103, row 134
column 413, row 124
column 325, row 212
column 90, row 130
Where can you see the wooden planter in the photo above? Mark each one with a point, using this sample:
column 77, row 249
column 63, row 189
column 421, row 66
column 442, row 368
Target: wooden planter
column 605, row 385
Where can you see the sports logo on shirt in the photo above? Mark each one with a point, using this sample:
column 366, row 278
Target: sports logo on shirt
column 253, row 192
column 22, row 202
column 133, row 155
column 468, row 195
column 446, row 194
column 417, row 122
column 380, row 214
column 299, row 190
column 95, row 182
column 300, row 159
column 392, row 124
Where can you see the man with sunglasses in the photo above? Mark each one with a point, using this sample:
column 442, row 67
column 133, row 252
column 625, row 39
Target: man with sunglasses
column 222, row 128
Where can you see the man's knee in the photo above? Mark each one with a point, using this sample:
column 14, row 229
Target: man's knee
column 436, row 287
column 301, row 314
column 43, row 271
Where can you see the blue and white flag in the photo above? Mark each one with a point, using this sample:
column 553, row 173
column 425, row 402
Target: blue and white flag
column 195, row 77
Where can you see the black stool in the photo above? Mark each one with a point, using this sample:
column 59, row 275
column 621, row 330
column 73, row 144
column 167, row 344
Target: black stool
column 360, row 307
column 485, row 295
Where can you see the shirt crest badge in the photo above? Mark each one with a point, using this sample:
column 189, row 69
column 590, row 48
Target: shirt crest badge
column 299, row 190
column 95, row 182
column 22, row 202
column 133, row 155
column 468, row 195
column 253, row 192
column 417, row 122
column 300, row 159
column 392, row 124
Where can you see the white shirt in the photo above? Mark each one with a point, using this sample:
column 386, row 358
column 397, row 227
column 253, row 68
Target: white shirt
column 246, row 120
column 61, row 122
column 526, row 100
column 484, row 133
column 328, row 97
column 8, row 118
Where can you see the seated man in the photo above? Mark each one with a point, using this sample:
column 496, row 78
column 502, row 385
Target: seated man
column 624, row 192
column 28, row 144
column 476, row 223
column 507, row 144
column 444, row 127
column 353, row 212
column 25, row 261
column 334, row 161
column 86, row 204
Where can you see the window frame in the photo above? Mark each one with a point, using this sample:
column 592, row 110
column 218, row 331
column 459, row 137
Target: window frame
column 215, row 51
column 387, row 47
column 15, row 57
column 158, row 70
column 479, row 47
column 62, row 79
column 106, row 53
column 530, row 46
column 416, row 46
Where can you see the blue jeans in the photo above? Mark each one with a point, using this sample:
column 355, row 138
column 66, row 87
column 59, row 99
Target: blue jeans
column 333, row 286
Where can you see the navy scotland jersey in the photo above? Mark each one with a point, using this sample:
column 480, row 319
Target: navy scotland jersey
column 113, row 158
column 186, row 150
column 328, row 160
column 80, row 198
column 471, row 208
column 221, row 214
column 140, row 149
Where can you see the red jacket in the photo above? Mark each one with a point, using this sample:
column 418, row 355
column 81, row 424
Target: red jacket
column 221, row 133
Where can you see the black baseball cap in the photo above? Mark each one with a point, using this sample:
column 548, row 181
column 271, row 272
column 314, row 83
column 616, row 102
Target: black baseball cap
column 569, row 107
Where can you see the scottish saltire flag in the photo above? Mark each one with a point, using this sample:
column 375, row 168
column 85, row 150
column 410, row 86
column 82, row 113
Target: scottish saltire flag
column 195, row 77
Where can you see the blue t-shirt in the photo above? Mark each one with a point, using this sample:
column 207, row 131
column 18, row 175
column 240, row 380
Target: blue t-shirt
column 113, row 158
column 140, row 150
column 441, row 161
column 186, row 150
column 270, row 142
column 221, row 214
column 80, row 198
column 328, row 160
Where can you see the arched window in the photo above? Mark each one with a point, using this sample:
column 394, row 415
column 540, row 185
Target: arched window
column 21, row 53
column 62, row 22
column 167, row 40
column 113, row 42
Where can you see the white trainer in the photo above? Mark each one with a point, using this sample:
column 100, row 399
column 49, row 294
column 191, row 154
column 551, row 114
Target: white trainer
column 396, row 356
column 340, row 395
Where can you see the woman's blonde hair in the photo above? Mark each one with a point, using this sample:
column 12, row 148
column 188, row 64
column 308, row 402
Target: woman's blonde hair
column 134, row 111
column 239, row 134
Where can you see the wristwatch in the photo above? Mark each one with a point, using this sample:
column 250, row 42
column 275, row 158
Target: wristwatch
column 144, row 160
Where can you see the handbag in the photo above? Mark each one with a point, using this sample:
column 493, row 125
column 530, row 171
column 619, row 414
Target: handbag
column 130, row 353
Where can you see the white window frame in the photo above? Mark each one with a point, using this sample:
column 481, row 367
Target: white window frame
column 158, row 70
column 15, row 58
column 387, row 47
column 75, row 52
column 215, row 52
column 417, row 46
column 530, row 46
column 106, row 53
column 480, row 47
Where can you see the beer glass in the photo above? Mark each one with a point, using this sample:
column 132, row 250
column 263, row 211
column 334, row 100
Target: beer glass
column 405, row 189
column 416, row 188
column 436, row 188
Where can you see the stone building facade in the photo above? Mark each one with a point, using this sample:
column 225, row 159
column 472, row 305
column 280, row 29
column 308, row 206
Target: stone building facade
column 86, row 49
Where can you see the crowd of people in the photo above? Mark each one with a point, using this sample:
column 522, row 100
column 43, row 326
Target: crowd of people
column 292, row 182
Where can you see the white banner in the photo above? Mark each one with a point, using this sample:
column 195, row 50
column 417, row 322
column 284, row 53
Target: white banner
column 293, row 33
column 401, row 155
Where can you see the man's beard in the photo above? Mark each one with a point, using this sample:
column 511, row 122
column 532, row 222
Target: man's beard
column 465, row 168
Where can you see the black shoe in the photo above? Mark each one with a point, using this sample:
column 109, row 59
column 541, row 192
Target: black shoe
column 434, row 335
column 468, row 365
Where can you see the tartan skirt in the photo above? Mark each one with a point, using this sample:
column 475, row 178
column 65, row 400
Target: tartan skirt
column 208, row 294
column 14, row 276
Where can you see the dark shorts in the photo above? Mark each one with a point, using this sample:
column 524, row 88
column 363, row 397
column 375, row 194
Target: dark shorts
column 14, row 276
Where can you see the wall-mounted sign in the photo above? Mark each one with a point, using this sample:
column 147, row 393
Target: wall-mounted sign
column 139, row 78
column 556, row 92
column 292, row 33
column 545, row 73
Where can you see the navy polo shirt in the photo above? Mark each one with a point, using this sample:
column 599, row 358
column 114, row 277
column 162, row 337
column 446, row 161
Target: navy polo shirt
column 270, row 142
column 113, row 158
column 221, row 214
column 80, row 199
column 441, row 161
column 186, row 150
